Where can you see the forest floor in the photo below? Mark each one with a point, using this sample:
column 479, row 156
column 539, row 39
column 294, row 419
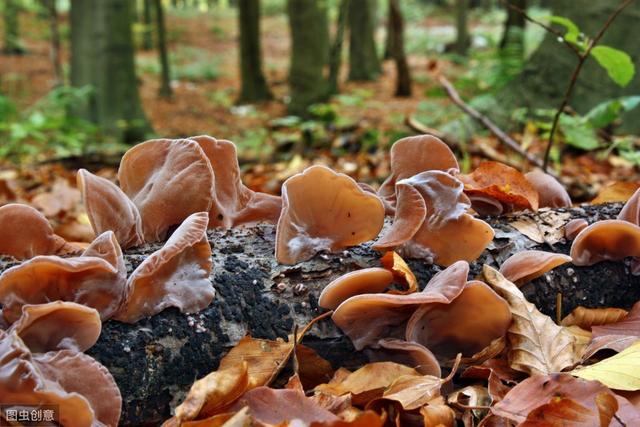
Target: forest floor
column 352, row 133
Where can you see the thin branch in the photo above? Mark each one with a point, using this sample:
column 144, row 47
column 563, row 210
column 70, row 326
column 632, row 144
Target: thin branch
column 487, row 123
column 574, row 78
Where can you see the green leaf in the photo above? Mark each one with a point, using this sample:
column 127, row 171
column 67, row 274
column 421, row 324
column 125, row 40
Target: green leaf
column 608, row 111
column 578, row 132
column 573, row 32
column 617, row 63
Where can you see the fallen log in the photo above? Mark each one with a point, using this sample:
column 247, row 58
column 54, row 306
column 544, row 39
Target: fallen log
column 156, row 360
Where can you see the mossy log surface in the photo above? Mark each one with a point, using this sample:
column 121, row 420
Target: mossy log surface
column 156, row 360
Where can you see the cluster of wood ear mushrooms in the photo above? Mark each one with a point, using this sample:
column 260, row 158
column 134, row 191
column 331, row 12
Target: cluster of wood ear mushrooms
column 53, row 303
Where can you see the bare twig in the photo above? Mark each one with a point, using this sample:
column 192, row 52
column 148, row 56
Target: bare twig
column 487, row 123
column 574, row 78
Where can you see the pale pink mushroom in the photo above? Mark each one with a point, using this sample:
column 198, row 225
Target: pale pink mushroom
column 574, row 227
column 606, row 240
column 631, row 210
column 27, row 233
column 365, row 281
column 522, row 267
column 167, row 180
column 411, row 354
column 486, row 205
column 177, row 275
column 108, row 208
column 551, row 193
column 324, row 210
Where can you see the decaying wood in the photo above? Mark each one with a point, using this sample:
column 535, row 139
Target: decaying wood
column 156, row 360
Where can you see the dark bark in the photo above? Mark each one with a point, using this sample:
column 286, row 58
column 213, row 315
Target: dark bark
column 12, row 45
column 335, row 56
column 388, row 41
column 102, row 58
column 463, row 40
column 165, row 78
column 156, row 360
column 147, row 37
column 514, row 25
column 54, row 34
column 403, row 74
column 364, row 63
column 254, row 85
column 308, row 22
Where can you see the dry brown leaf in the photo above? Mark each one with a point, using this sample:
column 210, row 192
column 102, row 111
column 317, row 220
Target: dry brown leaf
column 619, row 191
column 242, row 418
column 503, row 183
column 214, row 393
column 500, row 377
column 583, row 339
column 560, row 412
column 545, row 226
column 368, row 382
column 362, row 419
column 585, row 318
column 616, row 336
column 413, row 392
column 607, row 408
column 437, row 414
column 538, row 345
column 214, row 421
column 471, row 396
column 394, row 263
column 312, row 369
column 265, row 358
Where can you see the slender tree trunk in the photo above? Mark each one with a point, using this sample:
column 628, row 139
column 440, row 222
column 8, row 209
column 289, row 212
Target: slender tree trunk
column 388, row 41
column 364, row 63
column 335, row 57
column 513, row 34
column 165, row 79
column 12, row 45
column 254, row 85
column 463, row 40
column 309, row 51
column 147, row 38
column 52, row 12
column 102, row 58
column 403, row 78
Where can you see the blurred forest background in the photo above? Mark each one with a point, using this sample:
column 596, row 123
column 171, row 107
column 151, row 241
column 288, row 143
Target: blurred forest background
column 295, row 82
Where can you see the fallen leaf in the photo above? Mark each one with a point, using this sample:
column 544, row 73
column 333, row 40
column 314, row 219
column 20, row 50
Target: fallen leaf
column 214, row 393
column 585, row 318
column 394, row 263
column 214, row 421
column 621, row 372
column 312, row 369
column 437, row 414
column 619, row 191
column 59, row 200
column 413, row 392
column 538, row 345
column 560, row 412
column 544, row 226
column 363, row 419
column 472, row 396
column 607, row 408
column 616, row 336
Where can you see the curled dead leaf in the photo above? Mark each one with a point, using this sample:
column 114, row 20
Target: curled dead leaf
column 394, row 263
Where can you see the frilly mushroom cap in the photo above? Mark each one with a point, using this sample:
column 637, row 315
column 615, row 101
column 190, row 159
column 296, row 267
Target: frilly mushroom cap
column 324, row 210
column 365, row 281
column 485, row 205
column 27, row 233
column 108, row 208
column 606, row 240
column 177, row 275
column 631, row 210
column 234, row 204
column 524, row 266
column 407, row 353
column 45, row 380
column 58, row 326
column 550, row 192
column 410, row 214
column 367, row 318
column 167, row 180
column 96, row 280
column 574, row 227
column 466, row 325
column 412, row 155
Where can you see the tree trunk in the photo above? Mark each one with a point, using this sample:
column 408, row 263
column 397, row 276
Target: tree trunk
column 156, row 360
column 102, row 58
column 12, row 45
column 403, row 77
column 514, row 25
column 389, row 37
column 254, row 86
column 545, row 76
column 147, row 38
column 309, row 53
column 463, row 40
column 364, row 64
column 335, row 56
column 54, row 33
column 165, row 83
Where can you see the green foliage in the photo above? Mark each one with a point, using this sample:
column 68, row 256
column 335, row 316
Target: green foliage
column 46, row 128
column 618, row 64
column 605, row 113
column 185, row 63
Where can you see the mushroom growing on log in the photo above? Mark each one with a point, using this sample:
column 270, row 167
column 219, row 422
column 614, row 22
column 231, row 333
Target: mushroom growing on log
column 155, row 360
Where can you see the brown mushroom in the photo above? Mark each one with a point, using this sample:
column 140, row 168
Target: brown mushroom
column 522, row 267
column 551, row 194
column 485, row 205
column 95, row 279
column 177, row 275
column 606, row 240
column 167, row 180
column 367, row 318
column 574, row 227
column 234, row 203
column 82, row 389
column 631, row 210
column 467, row 325
column 324, row 210
column 58, row 326
column 365, row 281
column 27, row 233
column 447, row 234
column 407, row 353
column 412, row 155
column 108, row 208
